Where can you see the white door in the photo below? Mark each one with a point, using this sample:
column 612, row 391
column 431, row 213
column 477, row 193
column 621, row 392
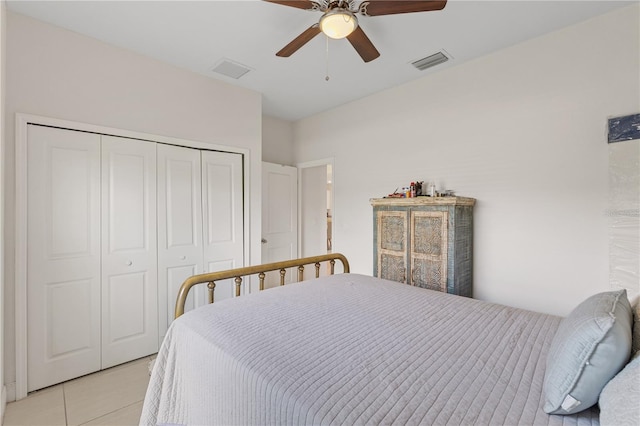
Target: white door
column 279, row 217
column 222, row 212
column 180, row 253
column 129, row 250
column 63, row 255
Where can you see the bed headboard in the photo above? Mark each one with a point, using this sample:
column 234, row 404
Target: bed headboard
column 259, row 270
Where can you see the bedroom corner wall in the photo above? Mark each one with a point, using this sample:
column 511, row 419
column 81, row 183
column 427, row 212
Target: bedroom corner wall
column 3, row 37
column 523, row 131
column 57, row 73
column 277, row 141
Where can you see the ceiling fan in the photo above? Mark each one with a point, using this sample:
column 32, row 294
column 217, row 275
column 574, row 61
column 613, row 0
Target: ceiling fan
column 339, row 20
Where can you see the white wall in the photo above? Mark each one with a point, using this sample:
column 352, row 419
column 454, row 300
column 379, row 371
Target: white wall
column 277, row 141
column 3, row 33
column 57, row 73
column 522, row 130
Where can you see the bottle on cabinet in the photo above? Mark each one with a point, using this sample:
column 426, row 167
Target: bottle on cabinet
column 431, row 192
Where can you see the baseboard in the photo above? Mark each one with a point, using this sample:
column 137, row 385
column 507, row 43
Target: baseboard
column 3, row 409
column 9, row 391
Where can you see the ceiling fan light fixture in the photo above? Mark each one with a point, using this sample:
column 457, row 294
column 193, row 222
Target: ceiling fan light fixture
column 338, row 23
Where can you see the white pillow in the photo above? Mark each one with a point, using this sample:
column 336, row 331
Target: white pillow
column 620, row 398
column 591, row 346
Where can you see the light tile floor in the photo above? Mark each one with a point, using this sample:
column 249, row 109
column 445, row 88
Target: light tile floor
column 110, row 397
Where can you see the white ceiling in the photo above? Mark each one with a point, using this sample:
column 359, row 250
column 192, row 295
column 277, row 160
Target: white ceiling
column 196, row 35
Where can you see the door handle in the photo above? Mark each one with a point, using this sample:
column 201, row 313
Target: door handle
column 263, row 241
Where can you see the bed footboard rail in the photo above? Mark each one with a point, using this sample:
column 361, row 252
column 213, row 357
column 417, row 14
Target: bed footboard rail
column 260, row 270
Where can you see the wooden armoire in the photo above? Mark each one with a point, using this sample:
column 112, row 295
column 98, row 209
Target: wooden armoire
column 425, row 241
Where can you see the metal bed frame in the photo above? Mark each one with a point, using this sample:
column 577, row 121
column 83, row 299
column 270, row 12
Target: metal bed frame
column 238, row 273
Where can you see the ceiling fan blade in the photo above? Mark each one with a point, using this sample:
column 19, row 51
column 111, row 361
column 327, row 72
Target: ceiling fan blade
column 300, row 4
column 299, row 41
column 363, row 45
column 392, row 7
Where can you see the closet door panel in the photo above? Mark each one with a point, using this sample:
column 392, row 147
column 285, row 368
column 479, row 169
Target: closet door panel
column 175, row 277
column 180, row 252
column 222, row 195
column 63, row 255
column 129, row 250
column 127, row 298
column 67, row 334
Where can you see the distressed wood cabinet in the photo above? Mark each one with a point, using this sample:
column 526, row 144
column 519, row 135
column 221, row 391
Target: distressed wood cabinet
column 426, row 242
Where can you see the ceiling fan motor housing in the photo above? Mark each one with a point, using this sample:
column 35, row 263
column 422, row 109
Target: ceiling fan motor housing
column 341, row 4
column 338, row 23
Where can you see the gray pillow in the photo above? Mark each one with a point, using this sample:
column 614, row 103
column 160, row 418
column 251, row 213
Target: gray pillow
column 591, row 346
column 620, row 399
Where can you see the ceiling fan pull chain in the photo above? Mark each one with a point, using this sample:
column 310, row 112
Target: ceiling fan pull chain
column 327, row 58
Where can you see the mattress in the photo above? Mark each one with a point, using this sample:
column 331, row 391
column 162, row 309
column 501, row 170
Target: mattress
column 354, row 350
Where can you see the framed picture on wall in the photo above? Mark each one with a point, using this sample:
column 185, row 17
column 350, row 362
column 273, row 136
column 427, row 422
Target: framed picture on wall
column 624, row 128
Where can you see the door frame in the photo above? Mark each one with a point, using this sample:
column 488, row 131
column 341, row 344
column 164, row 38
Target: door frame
column 20, row 264
column 317, row 163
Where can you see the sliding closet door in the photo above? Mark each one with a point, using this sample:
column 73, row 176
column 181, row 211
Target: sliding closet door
column 222, row 199
column 63, row 255
column 129, row 250
column 114, row 226
column 180, row 253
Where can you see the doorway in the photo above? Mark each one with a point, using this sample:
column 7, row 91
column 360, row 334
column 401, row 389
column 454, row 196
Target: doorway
column 316, row 216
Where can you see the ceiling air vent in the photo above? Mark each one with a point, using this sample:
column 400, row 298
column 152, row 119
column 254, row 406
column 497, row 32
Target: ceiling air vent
column 230, row 69
column 430, row 61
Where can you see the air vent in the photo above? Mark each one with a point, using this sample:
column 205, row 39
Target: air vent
column 430, row 61
column 230, row 69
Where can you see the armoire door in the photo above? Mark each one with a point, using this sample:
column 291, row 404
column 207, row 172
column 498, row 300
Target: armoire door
column 222, row 213
column 391, row 240
column 180, row 252
column 63, row 255
column 129, row 250
column 429, row 242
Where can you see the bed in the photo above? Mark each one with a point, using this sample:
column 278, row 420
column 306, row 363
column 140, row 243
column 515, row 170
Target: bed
column 352, row 349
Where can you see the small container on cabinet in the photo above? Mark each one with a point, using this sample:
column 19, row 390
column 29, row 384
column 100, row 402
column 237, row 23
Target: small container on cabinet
column 425, row 241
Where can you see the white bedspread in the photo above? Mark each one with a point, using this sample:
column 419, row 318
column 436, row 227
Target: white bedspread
column 351, row 349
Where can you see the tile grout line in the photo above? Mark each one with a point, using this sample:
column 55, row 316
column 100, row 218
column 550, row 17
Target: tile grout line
column 31, row 402
column 148, row 359
column 64, row 404
column 111, row 412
